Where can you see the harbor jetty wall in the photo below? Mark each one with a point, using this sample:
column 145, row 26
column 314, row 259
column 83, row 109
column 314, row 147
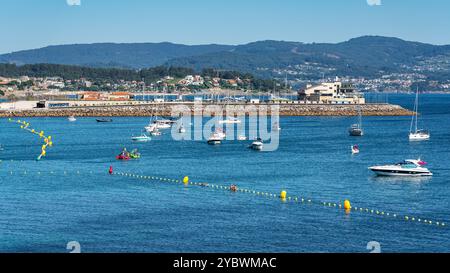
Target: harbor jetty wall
column 165, row 109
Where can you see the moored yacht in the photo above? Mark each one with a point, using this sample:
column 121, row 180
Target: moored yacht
column 409, row 167
column 356, row 129
column 257, row 145
column 215, row 139
column 72, row 119
column 230, row 121
column 416, row 134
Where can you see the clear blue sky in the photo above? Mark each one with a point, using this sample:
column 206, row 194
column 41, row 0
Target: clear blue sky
column 26, row 24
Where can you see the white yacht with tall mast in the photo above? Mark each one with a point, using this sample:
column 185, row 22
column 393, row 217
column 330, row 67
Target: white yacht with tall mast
column 356, row 129
column 416, row 134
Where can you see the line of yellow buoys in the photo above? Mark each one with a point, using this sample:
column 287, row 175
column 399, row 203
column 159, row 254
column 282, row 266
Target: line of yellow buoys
column 346, row 205
column 47, row 140
column 283, row 196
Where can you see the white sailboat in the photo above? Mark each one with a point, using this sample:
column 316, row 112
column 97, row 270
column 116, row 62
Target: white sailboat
column 356, row 129
column 416, row 134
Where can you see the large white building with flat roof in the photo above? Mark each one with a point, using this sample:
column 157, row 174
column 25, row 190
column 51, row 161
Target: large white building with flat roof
column 331, row 93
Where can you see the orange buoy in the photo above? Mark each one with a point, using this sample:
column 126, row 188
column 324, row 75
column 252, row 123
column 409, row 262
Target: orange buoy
column 110, row 170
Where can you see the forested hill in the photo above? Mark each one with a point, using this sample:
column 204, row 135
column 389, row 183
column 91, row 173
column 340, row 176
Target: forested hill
column 368, row 56
column 131, row 55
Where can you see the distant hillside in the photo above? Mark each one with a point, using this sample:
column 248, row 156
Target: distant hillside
column 134, row 55
column 368, row 56
column 364, row 56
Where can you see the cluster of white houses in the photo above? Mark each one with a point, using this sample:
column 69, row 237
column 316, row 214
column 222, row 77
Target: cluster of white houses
column 331, row 93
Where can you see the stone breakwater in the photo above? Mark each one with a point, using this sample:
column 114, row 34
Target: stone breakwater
column 167, row 110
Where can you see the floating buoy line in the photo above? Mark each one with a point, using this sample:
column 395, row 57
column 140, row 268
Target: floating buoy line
column 47, row 139
column 283, row 196
column 346, row 206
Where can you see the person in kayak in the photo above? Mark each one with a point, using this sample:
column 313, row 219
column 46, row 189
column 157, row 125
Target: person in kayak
column 135, row 153
column 125, row 153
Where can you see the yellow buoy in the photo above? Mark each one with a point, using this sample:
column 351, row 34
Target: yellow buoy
column 347, row 205
column 283, row 195
column 186, row 180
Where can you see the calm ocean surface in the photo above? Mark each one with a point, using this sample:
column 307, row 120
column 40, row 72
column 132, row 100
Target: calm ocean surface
column 41, row 213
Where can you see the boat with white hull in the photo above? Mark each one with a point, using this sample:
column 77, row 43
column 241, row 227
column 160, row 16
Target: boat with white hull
column 416, row 134
column 142, row 138
column 215, row 139
column 356, row 129
column 409, row 167
column 257, row 145
column 230, row 121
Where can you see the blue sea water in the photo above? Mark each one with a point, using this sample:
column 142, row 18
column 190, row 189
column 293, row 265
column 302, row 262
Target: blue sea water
column 68, row 196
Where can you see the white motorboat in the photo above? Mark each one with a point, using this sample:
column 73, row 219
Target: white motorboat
column 417, row 134
column 409, row 167
column 72, row 119
column 141, row 138
column 155, row 132
column 162, row 124
column 149, row 128
column 257, row 145
column 215, row 139
column 356, row 129
column 230, row 121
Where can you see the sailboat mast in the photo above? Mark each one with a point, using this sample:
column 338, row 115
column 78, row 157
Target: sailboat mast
column 417, row 107
column 360, row 117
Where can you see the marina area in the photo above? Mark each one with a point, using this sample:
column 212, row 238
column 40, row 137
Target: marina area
column 81, row 191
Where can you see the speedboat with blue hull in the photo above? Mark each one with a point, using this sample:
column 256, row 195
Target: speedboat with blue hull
column 409, row 167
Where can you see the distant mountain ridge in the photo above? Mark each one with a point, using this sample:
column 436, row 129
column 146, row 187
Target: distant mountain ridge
column 367, row 56
column 128, row 55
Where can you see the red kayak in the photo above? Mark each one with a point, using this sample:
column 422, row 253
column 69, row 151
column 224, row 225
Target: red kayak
column 121, row 157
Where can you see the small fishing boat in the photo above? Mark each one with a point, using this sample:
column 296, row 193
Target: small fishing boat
column 230, row 121
column 104, row 120
column 408, row 167
column 257, row 145
column 142, row 138
column 72, row 118
column 215, row 139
